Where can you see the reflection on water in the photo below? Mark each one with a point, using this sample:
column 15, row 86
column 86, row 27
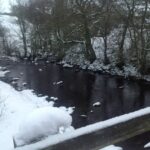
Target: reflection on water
column 82, row 89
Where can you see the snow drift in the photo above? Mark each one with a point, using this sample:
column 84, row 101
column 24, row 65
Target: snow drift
column 42, row 122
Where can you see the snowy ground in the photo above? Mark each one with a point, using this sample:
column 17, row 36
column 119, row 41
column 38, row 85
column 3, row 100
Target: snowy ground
column 14, row 106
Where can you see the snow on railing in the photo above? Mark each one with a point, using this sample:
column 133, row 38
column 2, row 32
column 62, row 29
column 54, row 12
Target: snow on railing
column 98, row 135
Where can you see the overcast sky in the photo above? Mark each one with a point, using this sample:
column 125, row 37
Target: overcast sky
column 5, row 5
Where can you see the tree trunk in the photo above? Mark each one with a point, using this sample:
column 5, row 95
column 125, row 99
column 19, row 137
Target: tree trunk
column 90, row 54
column 106, row 60
column 120, row 61
column 142, row 67
column 25, row 45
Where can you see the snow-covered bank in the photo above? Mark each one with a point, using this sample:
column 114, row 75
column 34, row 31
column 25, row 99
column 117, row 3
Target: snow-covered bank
column 98, row 66
column 74, row 56
column 15, row 106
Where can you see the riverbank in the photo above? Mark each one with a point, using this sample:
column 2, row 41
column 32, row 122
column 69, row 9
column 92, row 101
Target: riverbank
column 79, row 63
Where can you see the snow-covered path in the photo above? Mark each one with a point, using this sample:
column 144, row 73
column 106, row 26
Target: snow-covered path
column 14, row 106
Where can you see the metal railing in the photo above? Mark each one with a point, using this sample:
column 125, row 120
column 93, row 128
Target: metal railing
column 98, row 135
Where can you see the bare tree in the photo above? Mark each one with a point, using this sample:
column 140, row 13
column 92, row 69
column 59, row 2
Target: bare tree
column 84, row 8
column 19, row 11
column 142, row 53
column 106, row 25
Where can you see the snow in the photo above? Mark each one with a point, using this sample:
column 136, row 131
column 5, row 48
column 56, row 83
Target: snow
column 85, row 130
column 15, row 107
column 15, row 79
column 96, row 104
column 36, row 63
column 21, row 73
column 70, row 110
column 14, row 83
column 42, row 122
column 3, row 73
column 147, row 145
column 14, row 59
column 67, row 66
column 112, row 147
column 84, row 116
column 57, row 83
column 24, row 83
column 40, row 70
column 54, row 98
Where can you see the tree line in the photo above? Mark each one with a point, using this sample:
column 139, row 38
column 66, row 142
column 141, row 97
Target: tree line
column 51, row 26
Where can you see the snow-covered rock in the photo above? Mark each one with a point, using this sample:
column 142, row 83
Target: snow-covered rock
column 40, row 70
column 112, row 147
column 67, row 65
column 58, row 83
column 54, row 98
column 36, row 63
column 83, row 116
column 3, row 73
column 24, row 83
column 97, row 104
column 15, row 79
column 21, row 73
column 13, row 82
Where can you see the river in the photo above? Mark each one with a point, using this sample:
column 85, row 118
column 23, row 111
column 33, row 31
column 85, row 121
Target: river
column 82, row 89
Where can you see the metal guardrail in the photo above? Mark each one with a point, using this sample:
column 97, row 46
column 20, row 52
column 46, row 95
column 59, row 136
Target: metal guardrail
column 96, row 136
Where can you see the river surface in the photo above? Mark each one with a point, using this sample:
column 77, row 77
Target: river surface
column 82, row 89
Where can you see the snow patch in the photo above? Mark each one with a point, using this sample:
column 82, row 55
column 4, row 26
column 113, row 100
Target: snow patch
column 147, row 145
column 41, row 123
column 58, row 83
column 16, row 106
column 112, row 147
column 3, row 71
column 54, row 98
column 97, row 104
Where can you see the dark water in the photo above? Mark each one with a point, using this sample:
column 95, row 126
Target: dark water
column 82, row 89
